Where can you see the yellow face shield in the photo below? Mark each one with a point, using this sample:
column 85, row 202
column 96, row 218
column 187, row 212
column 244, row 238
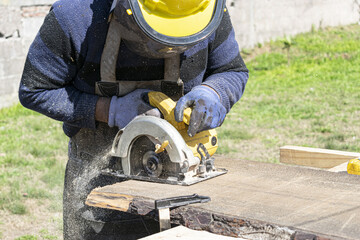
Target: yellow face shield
column 177, row 18
column 163, row 28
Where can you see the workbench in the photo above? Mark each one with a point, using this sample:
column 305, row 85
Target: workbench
column 253, row 200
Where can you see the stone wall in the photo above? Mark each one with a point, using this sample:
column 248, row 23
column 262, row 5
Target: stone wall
column 255, row 21
column 19, row 23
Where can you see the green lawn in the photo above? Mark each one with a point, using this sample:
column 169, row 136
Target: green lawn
column 32, row 163
column 307, row 96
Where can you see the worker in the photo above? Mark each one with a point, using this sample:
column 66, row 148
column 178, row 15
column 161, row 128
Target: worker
column 86, row 51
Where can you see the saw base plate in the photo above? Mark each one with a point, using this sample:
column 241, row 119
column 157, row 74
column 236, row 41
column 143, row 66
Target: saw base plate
column 188, row 182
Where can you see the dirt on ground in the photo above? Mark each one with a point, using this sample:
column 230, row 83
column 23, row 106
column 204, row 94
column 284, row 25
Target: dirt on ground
column 40, row 222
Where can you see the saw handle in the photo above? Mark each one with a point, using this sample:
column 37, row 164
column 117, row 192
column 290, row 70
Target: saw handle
column 167, row 106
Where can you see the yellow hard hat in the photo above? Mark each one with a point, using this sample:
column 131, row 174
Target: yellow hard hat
column 177, row 18
column 160, row 28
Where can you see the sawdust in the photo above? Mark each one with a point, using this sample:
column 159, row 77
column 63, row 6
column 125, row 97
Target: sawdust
column 40, row 221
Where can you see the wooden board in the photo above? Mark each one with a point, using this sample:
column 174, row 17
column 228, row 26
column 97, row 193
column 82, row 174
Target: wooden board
column 339, row 168
column 183, row 233
column 314, row 157
column 257, row 200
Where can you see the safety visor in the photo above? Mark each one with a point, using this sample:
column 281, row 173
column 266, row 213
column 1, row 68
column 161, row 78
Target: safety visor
column 177, row 22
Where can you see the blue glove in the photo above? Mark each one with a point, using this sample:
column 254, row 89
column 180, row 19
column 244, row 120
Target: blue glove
column 124, row 109
column 207, row 110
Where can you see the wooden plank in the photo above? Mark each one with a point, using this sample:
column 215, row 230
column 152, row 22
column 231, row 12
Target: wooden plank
column 184, row 233
column 115, row 201
column 314, row 157
column 256, row 199
column 339, row 168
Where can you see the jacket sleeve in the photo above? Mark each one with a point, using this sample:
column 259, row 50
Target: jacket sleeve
column 47, row 82
column 226, row 71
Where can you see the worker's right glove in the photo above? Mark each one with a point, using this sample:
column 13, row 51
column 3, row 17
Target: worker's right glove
column 207, row 110
column 124, row 109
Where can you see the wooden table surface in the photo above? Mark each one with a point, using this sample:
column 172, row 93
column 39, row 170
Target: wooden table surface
column 252, row 195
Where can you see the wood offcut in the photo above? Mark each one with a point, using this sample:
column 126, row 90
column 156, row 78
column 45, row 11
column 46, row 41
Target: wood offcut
column 115, row 201
column 314, row 157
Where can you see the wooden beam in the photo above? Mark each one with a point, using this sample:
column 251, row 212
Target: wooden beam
column 314, row 157
column 115, row 201
column 340, row 168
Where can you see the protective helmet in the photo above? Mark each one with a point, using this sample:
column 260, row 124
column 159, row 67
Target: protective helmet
column 163, row 28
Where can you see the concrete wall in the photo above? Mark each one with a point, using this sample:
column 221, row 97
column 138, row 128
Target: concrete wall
column 19, row 23
column 255, row 21
column 259, row 21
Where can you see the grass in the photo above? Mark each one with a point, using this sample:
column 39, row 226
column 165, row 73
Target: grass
column 304, row 94
column 32, row 158
column 32, row 162
column 43, row 235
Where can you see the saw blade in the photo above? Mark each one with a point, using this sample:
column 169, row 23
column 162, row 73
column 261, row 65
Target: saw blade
column 144, row 160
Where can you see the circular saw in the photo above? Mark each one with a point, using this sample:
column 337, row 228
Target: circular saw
column 160, row 150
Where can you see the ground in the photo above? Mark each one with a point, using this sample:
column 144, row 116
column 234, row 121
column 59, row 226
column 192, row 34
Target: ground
column 40, row 222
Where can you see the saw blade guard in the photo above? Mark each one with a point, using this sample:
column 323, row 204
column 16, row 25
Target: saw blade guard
column 159, row 131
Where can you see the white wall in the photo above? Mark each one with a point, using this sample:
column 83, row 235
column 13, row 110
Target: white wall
column 259, row 21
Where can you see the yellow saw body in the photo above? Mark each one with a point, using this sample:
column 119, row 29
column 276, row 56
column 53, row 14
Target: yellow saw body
column 160, row 150
column 167, row 106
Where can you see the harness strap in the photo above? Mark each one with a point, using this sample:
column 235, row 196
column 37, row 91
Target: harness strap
column 111, row 51
column 109, row 86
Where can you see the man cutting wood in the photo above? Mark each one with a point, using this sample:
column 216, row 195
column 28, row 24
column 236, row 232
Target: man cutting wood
column 93, row 62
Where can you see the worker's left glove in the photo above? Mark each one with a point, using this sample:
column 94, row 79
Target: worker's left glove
column 207, row 110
